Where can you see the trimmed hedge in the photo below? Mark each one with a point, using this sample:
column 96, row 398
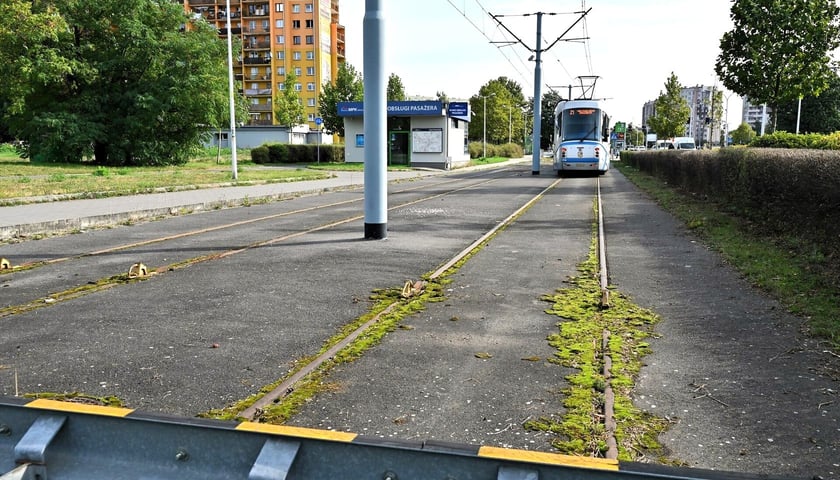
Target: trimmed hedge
column 794, row 191
column 286, row 153
column 791, row 140
column 508, row 150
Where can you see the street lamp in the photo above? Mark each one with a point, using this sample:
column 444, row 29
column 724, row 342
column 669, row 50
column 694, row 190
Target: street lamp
column 510, row 123
column 484, row 143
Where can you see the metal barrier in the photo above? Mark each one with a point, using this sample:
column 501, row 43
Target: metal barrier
column 50, row 440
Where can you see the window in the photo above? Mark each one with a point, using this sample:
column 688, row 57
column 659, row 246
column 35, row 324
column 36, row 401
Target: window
column 296, row 8
column 310, row 23
column 281, row 86
column 311, row 102
column 297, row 71
column 281, row 70
column 265, row 25
column 309, row 7
column 310, row 55
column 310, row 39
column 281, row 39
column 278, row 7
column 310, row 87
column 310, row 71
column 281, row 55
column 298, row 87
column 296, row 56
column 311, row 117
column 295, row 23
column 296, row 40
column 279, row 23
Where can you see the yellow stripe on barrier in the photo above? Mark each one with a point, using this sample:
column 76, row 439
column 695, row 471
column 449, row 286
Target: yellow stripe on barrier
column 296, row 431
column 73, row 407
column 547, row 458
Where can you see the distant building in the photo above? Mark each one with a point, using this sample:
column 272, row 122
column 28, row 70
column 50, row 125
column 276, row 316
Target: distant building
column 698, row 99
column 303, row 37
column 752, row 114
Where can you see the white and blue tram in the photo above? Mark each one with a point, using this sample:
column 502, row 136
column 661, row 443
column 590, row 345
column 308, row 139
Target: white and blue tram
column 581, row 137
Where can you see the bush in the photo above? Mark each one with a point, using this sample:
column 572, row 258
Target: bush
column 508, row 150
column 792, row 140
column 286, row 153
column 260, row 155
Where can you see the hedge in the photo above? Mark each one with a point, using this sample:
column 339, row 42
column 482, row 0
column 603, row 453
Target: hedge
column 286, row 153
column 792, row 191
column 508, row 150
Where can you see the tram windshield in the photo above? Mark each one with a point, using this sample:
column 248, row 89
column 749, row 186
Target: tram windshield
column 581, row 124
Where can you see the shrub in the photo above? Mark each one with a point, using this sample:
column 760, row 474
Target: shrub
column 511, row 150
column 278, row 153
column 260, row 155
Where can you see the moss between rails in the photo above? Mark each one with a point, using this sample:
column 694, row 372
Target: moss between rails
column 778, row 264
column 315, row 382
column 579, row 346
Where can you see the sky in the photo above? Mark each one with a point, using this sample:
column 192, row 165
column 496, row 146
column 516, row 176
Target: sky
column 633, row 46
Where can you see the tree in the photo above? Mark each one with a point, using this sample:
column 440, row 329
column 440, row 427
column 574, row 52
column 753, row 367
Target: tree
column 549, row 103
column 288, row 107
column 743, row 135
column 348, row 87
column 505, row 103
column 117, row 80
column 819, row 114
column 672, row 111
column 396, row 91
column 779, row 50
column 442, row 97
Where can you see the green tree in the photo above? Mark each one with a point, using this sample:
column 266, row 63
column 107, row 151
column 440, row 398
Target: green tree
column 819, row 114
column 117, row 80
column 743, row 135
column 348, row 87
column 505, row 102
column 672, row 111
column 549, row 103
column 396, row 90
column 779, row 50
column 288, row 107
column 442, row 97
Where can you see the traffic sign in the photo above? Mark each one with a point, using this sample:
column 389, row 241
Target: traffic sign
column 319, row 121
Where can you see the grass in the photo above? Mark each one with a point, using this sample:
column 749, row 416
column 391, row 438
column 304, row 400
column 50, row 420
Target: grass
column 21, row 178
column 487, row 161
column 780, row 265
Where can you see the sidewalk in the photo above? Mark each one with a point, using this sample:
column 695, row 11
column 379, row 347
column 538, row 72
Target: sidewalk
column 62, row 216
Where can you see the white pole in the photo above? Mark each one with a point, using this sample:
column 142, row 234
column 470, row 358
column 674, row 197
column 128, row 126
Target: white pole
column 763, row 118
column 230, row 93
column 484, row 142
column 798, row 115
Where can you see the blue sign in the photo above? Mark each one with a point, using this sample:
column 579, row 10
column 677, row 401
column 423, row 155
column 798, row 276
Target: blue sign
column 396, row 109
column 460, row 110
column 319, row 121
column 613, row 136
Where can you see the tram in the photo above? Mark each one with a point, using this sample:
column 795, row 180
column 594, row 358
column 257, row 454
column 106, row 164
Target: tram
column 581, row 137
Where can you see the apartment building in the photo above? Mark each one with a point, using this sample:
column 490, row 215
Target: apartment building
column 698, row 99
column 279, row 37
column 752, row 114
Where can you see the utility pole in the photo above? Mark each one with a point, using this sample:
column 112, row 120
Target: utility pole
column 537, row 57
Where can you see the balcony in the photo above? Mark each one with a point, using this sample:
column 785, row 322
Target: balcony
column 264, row 45
column 263, row 78
column 202, row 2
column 259, row 122
column 260, row 107
column 257, row 61
column 257, row 92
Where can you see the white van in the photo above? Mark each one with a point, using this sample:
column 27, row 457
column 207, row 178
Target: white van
column 682, row 143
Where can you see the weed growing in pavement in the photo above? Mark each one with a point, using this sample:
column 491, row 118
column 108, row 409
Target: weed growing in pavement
column 76, row 397
column 793, row 271
column 579, row 346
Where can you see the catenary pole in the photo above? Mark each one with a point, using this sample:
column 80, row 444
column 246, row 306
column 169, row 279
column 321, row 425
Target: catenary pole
column 234, row 169
column 375, row 122
column 535, row 142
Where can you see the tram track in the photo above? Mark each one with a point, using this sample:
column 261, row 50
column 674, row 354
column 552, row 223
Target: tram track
column 104, row 283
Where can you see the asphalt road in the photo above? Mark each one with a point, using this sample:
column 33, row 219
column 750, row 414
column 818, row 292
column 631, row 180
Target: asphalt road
column 744, row 390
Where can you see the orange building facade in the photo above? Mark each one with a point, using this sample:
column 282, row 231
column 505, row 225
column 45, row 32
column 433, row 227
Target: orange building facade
column 279, row 37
